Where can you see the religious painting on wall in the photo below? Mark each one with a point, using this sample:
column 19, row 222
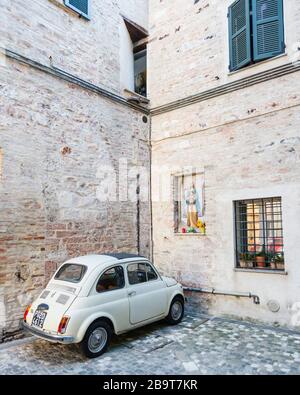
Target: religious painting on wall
column 189, row 204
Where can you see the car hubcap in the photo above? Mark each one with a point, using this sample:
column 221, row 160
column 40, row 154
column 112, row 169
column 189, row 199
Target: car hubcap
column 176, row 311
column 97, row 340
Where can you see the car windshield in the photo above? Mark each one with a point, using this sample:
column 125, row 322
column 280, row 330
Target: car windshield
column 71, row 272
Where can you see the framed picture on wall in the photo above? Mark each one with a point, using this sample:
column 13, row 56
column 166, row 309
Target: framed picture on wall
column 189, row 209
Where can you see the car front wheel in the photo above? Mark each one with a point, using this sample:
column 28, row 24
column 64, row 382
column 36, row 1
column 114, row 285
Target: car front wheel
column 96, row 339
column 176, row 311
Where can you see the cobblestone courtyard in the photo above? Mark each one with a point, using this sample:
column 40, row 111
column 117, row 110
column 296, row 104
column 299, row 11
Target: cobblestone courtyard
column 199, row 345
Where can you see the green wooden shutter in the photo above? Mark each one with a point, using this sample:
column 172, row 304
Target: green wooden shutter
column 239, row 34
column 80, row 6
column 268, row 31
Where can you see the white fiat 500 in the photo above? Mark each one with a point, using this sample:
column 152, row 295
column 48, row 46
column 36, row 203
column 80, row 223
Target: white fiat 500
column 91, row 297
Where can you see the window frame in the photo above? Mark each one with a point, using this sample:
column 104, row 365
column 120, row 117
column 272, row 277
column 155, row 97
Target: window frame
column 83, row 272
column 144, row 263
column 177, row 182
column 79, row 12
column 157, row 277
column 144, row 54
column 139, row 39
column 109, row 290
column 266, row 248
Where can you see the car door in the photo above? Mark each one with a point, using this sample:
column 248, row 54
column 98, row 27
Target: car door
column 109, row 295
column 146, row 292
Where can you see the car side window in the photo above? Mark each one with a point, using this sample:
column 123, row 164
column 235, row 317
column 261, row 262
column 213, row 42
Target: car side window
column 151, row 275
column 110, row 280
column 137, row 273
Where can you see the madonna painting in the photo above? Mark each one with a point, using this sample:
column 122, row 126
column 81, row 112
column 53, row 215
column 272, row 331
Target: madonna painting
column 190, row 208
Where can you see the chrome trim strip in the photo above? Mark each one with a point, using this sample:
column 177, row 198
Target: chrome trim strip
column 46, row 336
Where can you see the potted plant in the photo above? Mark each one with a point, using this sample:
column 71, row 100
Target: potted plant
column 243, row 260
column 279, row 261
column 272, row 261
column 246, row 260
column 250, row 260
column 261, row 259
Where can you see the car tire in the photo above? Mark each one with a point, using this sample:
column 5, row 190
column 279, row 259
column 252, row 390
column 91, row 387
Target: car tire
column 96, row 339
column 176, row 311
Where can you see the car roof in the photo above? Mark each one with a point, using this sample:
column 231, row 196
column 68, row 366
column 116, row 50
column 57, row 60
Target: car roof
column 105, row 259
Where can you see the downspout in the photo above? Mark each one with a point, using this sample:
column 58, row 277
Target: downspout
column 150, row 189
column 138, row 213
column 213, row 291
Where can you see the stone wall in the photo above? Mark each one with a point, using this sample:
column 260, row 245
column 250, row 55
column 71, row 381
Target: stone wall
column 189, row 47
column 246, row 142
column 89, row 49
column 57, row 142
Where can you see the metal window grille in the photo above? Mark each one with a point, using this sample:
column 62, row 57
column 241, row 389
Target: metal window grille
column 259, row 234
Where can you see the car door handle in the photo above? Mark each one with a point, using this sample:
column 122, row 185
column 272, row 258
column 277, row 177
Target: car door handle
column 131, row 293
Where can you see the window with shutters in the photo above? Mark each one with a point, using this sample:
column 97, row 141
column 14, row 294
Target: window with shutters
column 82, row 7
column 256, row 31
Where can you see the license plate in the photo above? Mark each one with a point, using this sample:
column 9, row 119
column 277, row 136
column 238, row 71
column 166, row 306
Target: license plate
column 39, row 319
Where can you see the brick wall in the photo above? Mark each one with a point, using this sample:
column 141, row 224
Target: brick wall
column 56, row 141
column 88, row 49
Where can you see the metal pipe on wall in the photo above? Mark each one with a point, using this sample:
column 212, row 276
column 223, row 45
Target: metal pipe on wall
column 213, row 291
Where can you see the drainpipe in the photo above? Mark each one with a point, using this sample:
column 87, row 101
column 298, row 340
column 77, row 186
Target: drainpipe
column 213, row 291
column 138, row 213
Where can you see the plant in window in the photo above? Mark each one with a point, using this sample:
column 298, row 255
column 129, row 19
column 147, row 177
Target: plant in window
column 250, row 260
column 277, row 262
column 261, row 259
column 243, row 260
column 246, row 260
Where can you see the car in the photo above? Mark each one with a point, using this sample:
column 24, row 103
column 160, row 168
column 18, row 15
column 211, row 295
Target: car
column 92, row 297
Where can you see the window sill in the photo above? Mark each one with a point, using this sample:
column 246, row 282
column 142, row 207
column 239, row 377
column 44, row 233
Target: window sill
column 251, row 66
column 190, row 234
column 131, row 94
column 68, row 9
column 264, row 271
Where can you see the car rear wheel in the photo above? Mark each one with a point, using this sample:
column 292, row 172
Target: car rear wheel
column 176, row 311
column 96, row 339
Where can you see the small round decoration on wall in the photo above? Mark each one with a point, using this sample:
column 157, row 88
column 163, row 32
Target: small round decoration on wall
column 273, row 306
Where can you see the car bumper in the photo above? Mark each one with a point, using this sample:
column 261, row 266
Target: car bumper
column 47, row 336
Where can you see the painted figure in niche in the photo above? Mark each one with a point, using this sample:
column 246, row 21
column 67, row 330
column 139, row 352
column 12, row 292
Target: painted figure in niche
column 193, row 207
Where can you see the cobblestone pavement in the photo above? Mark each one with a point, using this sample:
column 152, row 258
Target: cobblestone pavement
column 199, row 345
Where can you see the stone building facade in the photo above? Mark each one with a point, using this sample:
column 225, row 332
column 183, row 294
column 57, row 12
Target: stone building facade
column 240, row 131
column 64, row 124
column 72, row 130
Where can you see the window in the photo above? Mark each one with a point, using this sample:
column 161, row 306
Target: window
column 134, row 56
column 82, row 7
column 259, row 234
column 189, row 204
column 140, row 273
column 140, row 72
column 137, row 273
column 151, row 275
column 255, row 31
column 111, row 280
column 72, row 273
